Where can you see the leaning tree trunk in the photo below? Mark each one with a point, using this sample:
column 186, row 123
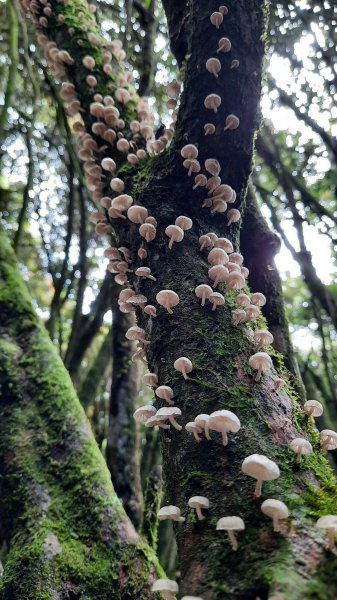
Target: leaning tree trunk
column 293, row 562
column 65, row 529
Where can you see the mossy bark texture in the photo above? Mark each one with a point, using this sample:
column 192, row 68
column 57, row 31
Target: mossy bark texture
column 66, row 532
column 294, row 562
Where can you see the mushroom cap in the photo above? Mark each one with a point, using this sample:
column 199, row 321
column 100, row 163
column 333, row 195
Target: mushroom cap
column 198, row 502
column 218, row 272
column 200, row 420
column 230, row 524
column 224, row 420
column 213, row 167
column 167, row 298
column 150, row 379
column 258, row 299
column 153, row 421
column 148, row 231
column 237, row 258
column 213, row 65
column 212, row 101
column 184, row 223
column 183, row 364
column 217, row 299
column 137, row 214
column 313, row 408
column 260, row 467
column 263, row 336
column 243, row 300
column 235, row 280
column 225, row 244
column 275, row 508
column 327, row 522
column 175, row 232
column 189, row 151
column 165, row 585
column 169, row 512
column 136, row 299
column 192, row 426
column 217, row 256
column 143, row 413
column 203, row 290
column 328, row 439
column 168, row 411
column 135, row 333
column 302, row 445
column 261, row 360
column 164, row 392
column 122, row 202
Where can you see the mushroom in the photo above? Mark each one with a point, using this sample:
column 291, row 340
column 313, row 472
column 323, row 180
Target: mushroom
column 145, row 272
column 170, row 513
column 243, row 300
column 137, row 300
column 148, row 231
column 165, row 393
column 191, row 598
column 235, row 280
column 156, row 422
column 212, row 102
column 252, row 312
column 150, row 379
column 199, row 503
column 175, row 233
column 173, row 89
column 142, row 253
column 233, row 216
column 231, row 524
column 225, row 244
column 216, row 299
column 209, row 129
column 301, row 447
column 143, row 413
column 116, row 184
column 203, row 291
column 224, row 45
column 313, row 408
column 235, row 64
column 189, row 151
column 170, row 413
column 328, row 522
column 262, row 337
column 258, row 299
column 260, row 361
column 150, row 310
column 328, row 439
column 192, row 165
column 192, row 427
column 185, row 223
column 167, row 299
column 213, row 183
column 276, row 510
column 262, row 469
column 216, row 19
column 205, row 242
column 136, row 333
column 212, row 166
column 238, row 316
column 232, row 122
column 223, row 9
column 222, row 421
column 183, row 365
column 199, row 181
column 200, row 421
column 137, row 214
column 167, row 587
column 213, row 65
column 108, row 164
column 218, row 274
column 217, row 256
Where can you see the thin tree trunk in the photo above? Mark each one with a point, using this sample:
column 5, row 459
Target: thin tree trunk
column 66, row 531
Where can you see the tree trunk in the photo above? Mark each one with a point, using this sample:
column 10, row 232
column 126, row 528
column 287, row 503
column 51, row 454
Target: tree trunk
column 293, row 562
column 66, row 532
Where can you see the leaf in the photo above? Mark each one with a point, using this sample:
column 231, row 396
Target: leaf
column 147, row 4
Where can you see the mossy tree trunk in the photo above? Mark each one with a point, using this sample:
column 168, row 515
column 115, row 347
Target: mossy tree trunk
column 65, row 529
column 293, row 562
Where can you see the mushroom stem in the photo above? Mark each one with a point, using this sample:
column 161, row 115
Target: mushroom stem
column 199, row 513
column 215, row 284
column 224, row 437
column 195, row 433
column 163, row 425
column 183, row 372
column 170, row 311
column 258, row 375
column 331, row 538
column 214, row 306
column 203, row 300
column 276, row 523
column 171, row 243
column 233, row 540
column 174, row 423
column 299, row 456
column 207, row 436
column 258, row 488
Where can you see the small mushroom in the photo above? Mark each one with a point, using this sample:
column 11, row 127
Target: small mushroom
column 191, row 598
column 209, row 129
column 137, row 214
column 150, row 310
column 189, row 151
column 165, row 393
column 258, row 299
column 157, row 422
column 144, row 272
column 168, row 299
column 260, row 468
column 192, row 427
column 243, row 300
column 200, row 421
column 232, row 122
column 217, row 256
column 262, row 337
column 212, row 102
column 205, row 242
column 328, row 439
column 136, row 333
column 301, row 447
column 224, row 45
column 213, row 65
column 185, row 223
column 143, row 413
column 148, row 231
column 175, row 233
column 183, row 365
column 279, row 383
column 199, row 503
column 328, row 522
column 212, row 166
column 235, row 280
column 231, row 524
column 150, row 379
column 216, row 19
column 192, row 165
column 222, row 421
column 170, row 513
column 167, row 587
column 170, row 413
column 238, row 316
column 218, row 274
column 233, row 216
column 260, row 361
column 203, row 291
column 216, row 299
column 276, row 510
column 313, row 408
column 252, row 312
column 199, row 181
column 225, row 244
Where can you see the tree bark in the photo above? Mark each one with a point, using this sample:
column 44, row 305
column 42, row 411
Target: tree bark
column 66, row 532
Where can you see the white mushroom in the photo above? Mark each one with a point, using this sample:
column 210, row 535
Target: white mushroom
column 170, row 513
column 328, row 522
column 222, row 421
column 276, row 510
column 143, row 413
column 150, row 379
column 231, row 524
column 165, row 393
column 183, row 365
column 313, row 408
column 328, row 439
column 260, row 468
column 170, row 413
column 192, row 427
column 301, row 447
column 260, row 361
column 203, row 291
column 168, row 299
column 263, row 337
column 199, row 503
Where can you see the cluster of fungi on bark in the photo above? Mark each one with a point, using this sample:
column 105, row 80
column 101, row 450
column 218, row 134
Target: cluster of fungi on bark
column 135, row 141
